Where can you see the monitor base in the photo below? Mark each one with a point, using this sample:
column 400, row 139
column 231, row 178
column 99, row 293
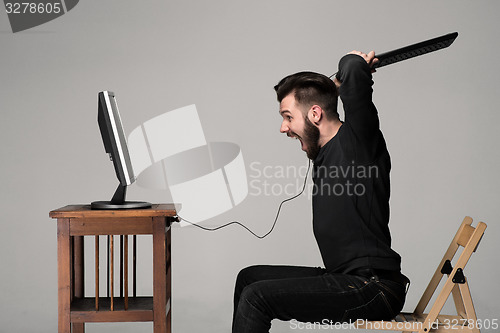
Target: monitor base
column 124, row 205
column 118, row 201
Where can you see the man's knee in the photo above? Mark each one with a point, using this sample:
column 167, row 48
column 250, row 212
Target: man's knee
column 248, row 275
column 245, row 278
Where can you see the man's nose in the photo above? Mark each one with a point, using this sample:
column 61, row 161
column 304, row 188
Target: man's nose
column 284, row 128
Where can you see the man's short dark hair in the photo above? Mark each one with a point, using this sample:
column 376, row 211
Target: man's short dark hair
column 310, row 88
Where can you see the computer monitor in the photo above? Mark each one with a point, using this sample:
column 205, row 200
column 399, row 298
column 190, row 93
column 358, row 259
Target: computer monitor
column 115, row 144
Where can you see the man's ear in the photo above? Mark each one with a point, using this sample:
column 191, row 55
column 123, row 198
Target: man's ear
column 315, row 114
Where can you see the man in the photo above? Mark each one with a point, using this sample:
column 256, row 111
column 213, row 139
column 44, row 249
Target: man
column 361, row 278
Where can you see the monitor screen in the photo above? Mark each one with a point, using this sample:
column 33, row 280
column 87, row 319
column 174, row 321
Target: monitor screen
column 113, row 137
column 115, row 144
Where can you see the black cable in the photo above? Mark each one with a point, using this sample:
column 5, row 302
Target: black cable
column 244, row 226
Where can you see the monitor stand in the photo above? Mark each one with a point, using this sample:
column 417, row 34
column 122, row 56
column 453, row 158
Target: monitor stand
column 118, row 201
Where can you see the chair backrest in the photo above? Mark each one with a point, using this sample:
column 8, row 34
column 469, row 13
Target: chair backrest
column 465, row 233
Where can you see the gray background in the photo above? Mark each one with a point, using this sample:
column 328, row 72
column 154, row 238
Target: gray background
column 439, row 114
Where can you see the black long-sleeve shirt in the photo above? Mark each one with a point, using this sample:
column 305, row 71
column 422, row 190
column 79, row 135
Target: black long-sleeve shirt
column 351, row 178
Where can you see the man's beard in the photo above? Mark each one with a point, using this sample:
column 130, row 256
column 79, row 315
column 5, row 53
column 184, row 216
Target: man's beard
column 311, row 139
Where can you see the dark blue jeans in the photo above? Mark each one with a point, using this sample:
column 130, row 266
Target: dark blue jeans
column 308, row 294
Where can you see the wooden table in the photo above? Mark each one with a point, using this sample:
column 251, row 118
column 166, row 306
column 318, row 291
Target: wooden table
column 74, row 308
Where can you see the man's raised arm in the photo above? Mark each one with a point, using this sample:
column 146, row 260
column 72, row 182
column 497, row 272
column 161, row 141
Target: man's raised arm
column 354, row 80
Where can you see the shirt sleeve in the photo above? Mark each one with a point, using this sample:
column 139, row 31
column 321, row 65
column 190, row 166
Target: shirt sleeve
column 360, row 112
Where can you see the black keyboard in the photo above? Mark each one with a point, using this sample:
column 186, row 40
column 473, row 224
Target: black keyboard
column 415, row 50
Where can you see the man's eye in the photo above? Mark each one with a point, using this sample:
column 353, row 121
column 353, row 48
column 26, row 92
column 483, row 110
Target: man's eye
column 288, row 118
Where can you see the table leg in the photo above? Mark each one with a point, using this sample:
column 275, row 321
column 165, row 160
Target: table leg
column 79, row 276
column 159, row 276
column 63, row 275
column 78, row 266
column 169, row 279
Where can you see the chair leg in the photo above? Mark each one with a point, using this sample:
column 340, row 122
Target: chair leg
column 459, row 302
column 469, row 307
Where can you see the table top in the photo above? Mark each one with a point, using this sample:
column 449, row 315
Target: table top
column 84, row 211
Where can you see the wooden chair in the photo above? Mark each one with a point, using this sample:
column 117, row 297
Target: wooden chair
column 456, row 284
